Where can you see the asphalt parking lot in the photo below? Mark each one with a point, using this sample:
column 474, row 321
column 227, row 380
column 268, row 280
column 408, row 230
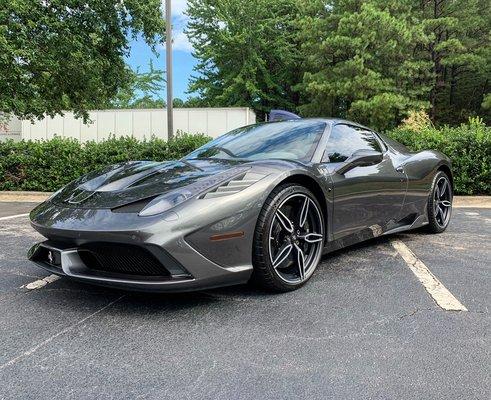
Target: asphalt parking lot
column 363, row 328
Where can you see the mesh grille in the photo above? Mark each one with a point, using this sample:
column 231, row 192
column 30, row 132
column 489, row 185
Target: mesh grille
column 121, row 259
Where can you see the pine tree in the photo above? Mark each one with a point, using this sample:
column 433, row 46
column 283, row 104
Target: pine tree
column 360, row 62
column 458, row 48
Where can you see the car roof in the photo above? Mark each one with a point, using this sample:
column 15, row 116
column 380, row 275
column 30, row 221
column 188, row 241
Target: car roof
column 330, row 121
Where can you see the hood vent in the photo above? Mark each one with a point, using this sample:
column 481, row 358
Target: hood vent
column 234, row 186
column 134, row 207
column 79, row 196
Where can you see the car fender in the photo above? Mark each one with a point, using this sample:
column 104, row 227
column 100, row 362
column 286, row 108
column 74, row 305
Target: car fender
column 420, row 169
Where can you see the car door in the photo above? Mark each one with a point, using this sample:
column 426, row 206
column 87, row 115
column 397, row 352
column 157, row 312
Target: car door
column 364, row 197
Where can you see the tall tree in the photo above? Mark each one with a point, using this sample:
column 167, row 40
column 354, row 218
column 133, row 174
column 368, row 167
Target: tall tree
column 248, row 52
column 69, row 54
column 458, row 48
column 360, row 62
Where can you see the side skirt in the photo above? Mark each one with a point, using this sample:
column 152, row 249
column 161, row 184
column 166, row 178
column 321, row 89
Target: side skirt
column 374, row 232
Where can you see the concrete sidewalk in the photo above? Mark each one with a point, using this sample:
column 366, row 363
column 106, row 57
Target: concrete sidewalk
column 38, row 197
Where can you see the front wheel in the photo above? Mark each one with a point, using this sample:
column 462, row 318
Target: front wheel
column 440, row 203
column 289, row 238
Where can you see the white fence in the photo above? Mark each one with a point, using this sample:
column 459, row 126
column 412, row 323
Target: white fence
column 10, row 129
column 139, row 123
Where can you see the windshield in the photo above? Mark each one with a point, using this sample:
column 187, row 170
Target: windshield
column 291, row 140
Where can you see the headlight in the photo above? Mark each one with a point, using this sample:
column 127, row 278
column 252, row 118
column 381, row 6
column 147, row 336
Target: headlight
column 166, row 202
column 172, row 199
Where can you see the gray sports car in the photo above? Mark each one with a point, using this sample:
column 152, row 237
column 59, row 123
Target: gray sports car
column 260, row 203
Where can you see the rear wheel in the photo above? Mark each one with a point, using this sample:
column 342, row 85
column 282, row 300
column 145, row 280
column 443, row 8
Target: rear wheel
column 440, row 203
column 289, row 239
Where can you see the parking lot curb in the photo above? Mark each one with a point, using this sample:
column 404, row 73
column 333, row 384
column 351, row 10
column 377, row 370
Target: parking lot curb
column 38, row 197
column 472, row 202
column 24, row 197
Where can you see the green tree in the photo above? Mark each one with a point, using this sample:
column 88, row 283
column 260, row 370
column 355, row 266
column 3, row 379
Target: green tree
column 196, row 102
column 486, row 104
column 359, row 60
column 178, row 103
column 248, row 52
column 69, row 54
column 458, row 47
column 141, row 90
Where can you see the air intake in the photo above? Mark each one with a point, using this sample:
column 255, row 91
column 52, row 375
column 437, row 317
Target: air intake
column 121, row 259
column 234, row 186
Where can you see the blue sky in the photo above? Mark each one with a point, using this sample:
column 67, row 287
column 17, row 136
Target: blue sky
column 183, row 59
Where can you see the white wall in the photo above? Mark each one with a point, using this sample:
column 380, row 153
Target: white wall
column 10, row 129
column 139, row 123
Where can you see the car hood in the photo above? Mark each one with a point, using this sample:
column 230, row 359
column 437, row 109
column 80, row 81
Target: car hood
column 130, row 182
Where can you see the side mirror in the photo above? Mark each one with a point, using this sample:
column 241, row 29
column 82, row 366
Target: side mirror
column 360, row 158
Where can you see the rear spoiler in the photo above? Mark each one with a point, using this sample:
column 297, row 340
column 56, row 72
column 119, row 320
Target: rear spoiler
column 282, row 115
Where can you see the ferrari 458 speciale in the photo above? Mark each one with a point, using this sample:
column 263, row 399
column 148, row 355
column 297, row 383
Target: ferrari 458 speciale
column 262, row 203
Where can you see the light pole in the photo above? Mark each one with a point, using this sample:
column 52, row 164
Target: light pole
column 168, row 53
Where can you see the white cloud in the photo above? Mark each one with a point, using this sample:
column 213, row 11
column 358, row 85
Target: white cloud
column 179, row 23
column 181, row 42
column 179, row 7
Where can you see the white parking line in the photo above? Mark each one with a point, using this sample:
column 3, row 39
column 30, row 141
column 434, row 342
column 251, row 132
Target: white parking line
column 41, row 282
column 433, row 286
column 13, row 216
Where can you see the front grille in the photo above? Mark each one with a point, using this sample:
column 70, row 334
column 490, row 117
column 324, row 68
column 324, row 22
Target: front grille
column 121, row 259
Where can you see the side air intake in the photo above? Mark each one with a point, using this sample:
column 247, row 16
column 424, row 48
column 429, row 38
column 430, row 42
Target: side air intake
column 234, row 186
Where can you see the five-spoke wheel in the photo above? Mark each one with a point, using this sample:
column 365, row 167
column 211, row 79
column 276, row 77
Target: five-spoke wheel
column 291, row 235
column 440, row 203
column 295, row 238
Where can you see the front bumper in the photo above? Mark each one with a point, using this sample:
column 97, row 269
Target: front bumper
column 185, row 267
column 66, row 260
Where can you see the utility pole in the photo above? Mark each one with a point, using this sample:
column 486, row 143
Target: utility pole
column 168, row 51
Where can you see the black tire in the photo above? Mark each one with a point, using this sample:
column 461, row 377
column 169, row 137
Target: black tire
column 264, row 273
column 438, row 214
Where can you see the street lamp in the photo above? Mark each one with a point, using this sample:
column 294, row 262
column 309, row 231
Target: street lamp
column 168, row 51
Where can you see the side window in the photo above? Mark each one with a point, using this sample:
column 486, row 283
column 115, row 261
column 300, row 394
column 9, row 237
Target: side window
column 345, row 140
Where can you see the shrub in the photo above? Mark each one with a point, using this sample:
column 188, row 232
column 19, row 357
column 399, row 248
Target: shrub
column 416, row 121
column 48, row 165
column 468, row 146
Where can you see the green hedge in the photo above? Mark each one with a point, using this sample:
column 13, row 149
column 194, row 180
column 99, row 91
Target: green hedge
column 48, row 165
column 468, row 146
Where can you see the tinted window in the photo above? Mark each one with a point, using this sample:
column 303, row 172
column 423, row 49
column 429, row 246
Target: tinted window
column 345, row 140
column 292, row 140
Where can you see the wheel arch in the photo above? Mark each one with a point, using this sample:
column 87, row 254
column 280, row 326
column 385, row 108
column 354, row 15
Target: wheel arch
column 445, row 168
column 315, row 187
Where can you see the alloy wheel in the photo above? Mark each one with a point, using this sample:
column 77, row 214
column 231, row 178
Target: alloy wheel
column 442, row 201
column 295, row 238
